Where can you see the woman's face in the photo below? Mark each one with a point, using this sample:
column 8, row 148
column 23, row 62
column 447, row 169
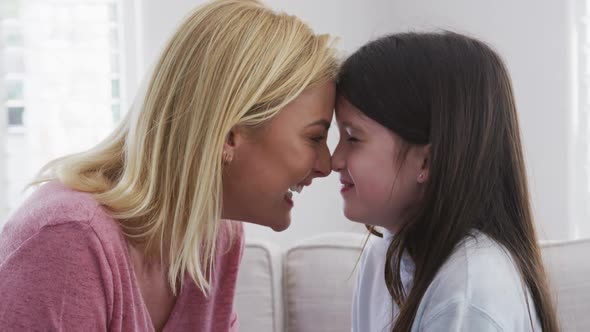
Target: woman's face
column 286, row 153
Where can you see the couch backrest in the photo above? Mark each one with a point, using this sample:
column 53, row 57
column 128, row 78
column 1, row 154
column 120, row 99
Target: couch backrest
column 309, row 287
column 318, row 280
column 568, row 269
column 259, row 300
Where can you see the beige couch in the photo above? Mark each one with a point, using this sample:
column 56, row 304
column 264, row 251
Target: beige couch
column 308, row 287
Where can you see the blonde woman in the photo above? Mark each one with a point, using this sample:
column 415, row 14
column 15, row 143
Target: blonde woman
column 133, row 235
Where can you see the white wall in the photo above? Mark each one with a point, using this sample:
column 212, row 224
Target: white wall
column 533, row 36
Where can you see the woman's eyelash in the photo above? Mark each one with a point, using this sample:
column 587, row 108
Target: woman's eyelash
column 319, row 139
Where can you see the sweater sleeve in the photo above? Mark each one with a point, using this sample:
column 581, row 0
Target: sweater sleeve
column 56, row 280
column 460, row 316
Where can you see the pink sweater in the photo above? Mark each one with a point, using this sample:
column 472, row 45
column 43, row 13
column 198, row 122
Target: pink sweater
column 65, row 266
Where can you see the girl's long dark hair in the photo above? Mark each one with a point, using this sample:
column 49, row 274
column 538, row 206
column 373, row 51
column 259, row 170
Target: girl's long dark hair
column 454, row 93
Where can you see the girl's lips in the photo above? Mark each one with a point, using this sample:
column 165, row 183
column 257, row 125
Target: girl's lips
column 346, row 186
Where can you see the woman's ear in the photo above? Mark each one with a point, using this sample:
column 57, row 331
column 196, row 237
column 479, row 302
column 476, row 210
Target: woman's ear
column 231, row 144
column 424, row 158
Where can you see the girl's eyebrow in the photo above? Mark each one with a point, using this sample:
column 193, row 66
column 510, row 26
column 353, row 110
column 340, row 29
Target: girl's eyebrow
column 348, row 124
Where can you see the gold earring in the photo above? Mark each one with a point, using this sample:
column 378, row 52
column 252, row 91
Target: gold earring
column 227, row 157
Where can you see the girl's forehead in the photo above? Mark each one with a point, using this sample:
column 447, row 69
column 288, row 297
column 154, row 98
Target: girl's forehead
column 348, row 115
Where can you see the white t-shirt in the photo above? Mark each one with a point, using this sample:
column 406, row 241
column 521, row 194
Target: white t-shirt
column 478, row 289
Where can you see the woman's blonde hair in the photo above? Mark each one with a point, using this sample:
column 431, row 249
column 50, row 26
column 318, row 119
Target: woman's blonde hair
column 231, row 63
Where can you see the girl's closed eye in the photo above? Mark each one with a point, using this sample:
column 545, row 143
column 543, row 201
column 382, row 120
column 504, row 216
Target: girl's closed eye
column 352, row 140
column 351, row 134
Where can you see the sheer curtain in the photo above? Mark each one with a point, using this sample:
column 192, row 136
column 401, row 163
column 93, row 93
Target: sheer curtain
column 61, row 86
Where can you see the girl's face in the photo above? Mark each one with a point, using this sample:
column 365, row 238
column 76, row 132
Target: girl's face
column 288, row 152
column 380, row 185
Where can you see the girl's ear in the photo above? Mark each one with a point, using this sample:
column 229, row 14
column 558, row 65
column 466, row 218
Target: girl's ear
column 424, row 163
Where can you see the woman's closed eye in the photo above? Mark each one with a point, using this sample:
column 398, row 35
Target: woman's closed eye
column 319, row 139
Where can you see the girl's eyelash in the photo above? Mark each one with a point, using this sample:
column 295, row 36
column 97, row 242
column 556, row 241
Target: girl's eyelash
column 352, row 139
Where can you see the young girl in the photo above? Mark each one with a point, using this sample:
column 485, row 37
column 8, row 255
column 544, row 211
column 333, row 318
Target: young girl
column 132, row 235
column 430, row 152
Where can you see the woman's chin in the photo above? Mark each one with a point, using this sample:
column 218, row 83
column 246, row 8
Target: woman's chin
column 276, row 224
column 281, row 226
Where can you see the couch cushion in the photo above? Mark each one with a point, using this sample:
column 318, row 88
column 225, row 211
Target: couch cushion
column 568, row 267
column 318, row 281
column 258, row 296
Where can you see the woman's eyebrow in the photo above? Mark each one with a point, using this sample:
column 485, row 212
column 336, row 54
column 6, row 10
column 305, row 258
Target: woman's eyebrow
column 321, row 122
